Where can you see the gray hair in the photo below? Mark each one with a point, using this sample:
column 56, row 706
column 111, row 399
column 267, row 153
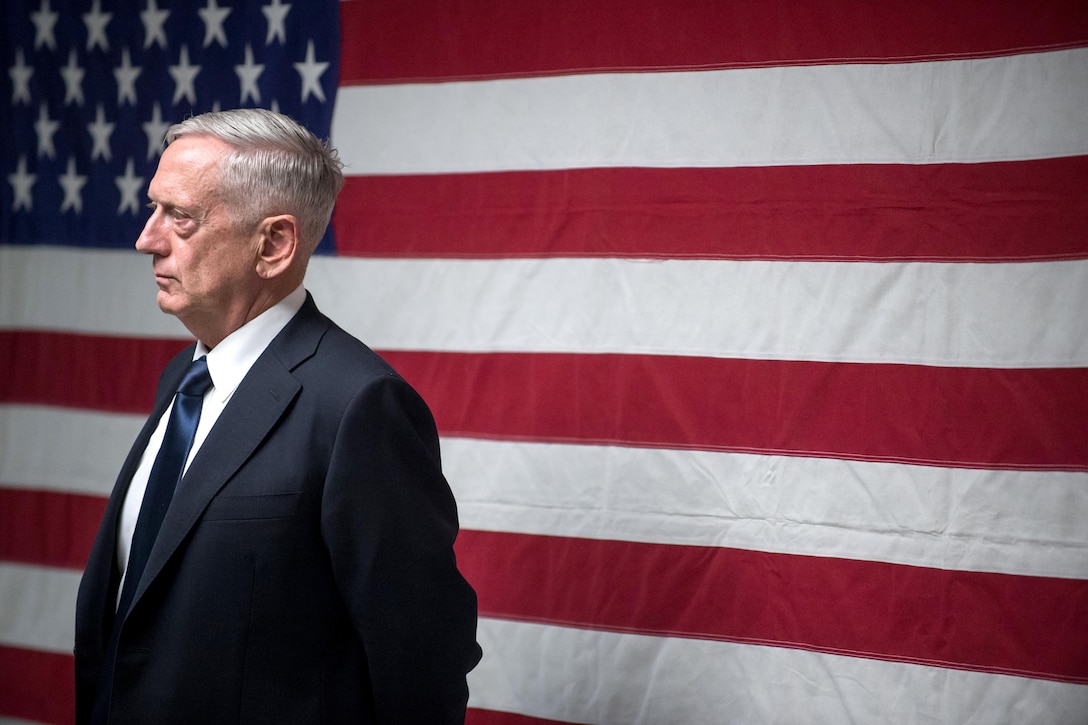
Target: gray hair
column 277, row 167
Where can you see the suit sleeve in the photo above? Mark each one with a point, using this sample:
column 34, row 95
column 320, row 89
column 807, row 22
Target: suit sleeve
column 389, row 520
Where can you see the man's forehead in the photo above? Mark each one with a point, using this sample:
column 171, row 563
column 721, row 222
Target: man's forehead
column 189, row 166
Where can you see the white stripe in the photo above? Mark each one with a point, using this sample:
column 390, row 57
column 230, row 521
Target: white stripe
column 984, row 315
column 1007, row 108
column 996, row 315
column 64, row 450
column 1014, row 522
column 99, row 291
column 38, row 607
column 584, row 676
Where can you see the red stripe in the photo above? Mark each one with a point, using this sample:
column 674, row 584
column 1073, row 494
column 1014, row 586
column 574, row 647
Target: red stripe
column 1014, row 418
column 847, row 607
column 38, row 686
column 1025, row 210
column 477, row 716
column 48, row 528
column 82, row 371
column 975, row 417
column 405, row 40
column 1028, row 626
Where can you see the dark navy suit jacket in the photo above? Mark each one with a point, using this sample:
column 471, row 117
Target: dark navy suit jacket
column 305, row 570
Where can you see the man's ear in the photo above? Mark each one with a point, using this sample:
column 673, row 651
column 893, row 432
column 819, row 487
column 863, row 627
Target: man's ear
column 278, row 244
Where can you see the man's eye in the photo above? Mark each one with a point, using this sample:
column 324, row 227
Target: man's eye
column 180, row 218
column 184, row 224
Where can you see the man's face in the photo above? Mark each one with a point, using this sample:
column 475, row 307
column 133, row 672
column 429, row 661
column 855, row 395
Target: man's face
column 204, row 266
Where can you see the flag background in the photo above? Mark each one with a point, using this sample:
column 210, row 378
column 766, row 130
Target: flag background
column 755, row 333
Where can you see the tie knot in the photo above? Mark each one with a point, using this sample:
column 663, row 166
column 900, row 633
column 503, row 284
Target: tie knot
column 197, row 379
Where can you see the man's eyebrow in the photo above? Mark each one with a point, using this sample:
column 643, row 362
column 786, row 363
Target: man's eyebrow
column 192, row 212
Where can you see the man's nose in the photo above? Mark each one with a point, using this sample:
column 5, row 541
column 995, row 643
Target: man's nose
column 151, row 239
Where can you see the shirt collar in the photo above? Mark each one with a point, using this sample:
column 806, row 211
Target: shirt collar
column 232, row 358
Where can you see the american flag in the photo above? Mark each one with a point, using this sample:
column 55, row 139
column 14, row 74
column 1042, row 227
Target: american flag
column 755, row 332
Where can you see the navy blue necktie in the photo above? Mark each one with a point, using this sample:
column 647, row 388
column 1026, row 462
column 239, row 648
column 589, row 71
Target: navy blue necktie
column 165, row 474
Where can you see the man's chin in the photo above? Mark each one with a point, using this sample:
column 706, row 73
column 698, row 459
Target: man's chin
column 169, row 304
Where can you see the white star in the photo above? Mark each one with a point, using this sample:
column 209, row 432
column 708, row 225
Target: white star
column 44, row 20
column 100, row 132
column 45, row 127
column 96, row 22
column 155, row 129
column 126, row 77
column 21, row 184
column 73, row 184
column 248, row 73
column 184, row 75
column 73, row 80
column 20, row 79
column 154, row 21
column 276, row 14
column 311, row 71
column 213, row 17
column 129, row 185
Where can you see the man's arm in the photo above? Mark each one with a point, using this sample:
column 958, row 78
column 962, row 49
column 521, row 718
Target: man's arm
column 389, row 520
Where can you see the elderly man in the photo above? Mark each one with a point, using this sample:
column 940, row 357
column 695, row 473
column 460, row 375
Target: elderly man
column 278, row 546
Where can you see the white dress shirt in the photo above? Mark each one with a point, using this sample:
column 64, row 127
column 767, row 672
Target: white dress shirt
column 228, row 363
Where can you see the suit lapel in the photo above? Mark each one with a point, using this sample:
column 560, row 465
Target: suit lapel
column 256, row 406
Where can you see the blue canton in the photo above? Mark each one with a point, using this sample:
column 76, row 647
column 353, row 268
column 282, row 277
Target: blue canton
column 92, row 85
